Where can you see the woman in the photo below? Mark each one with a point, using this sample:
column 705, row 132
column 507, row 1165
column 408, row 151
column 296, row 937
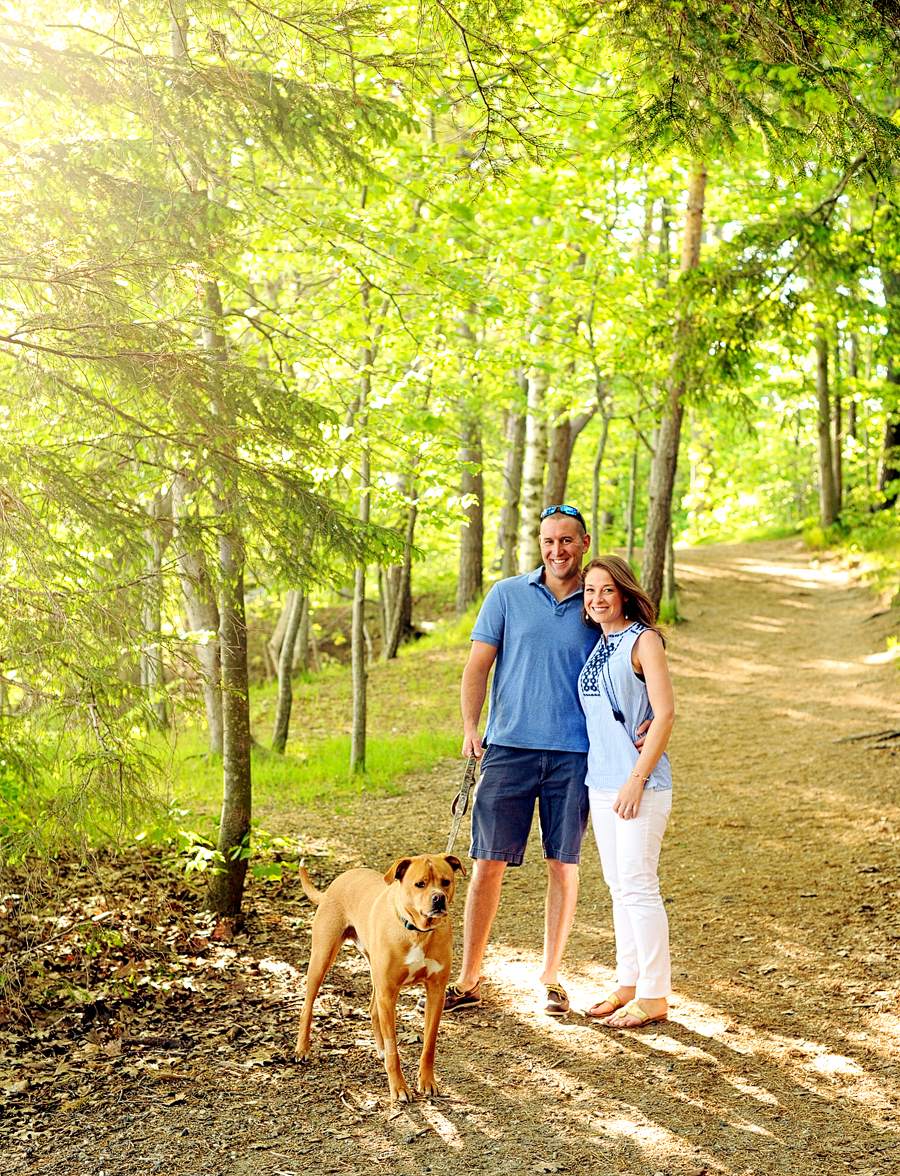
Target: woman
column 625, row 682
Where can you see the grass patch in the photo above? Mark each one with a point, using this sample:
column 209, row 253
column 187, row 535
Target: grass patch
column 313, row 772
column 745, row 535
column 413, row 722
column 668, row 612
column 454, row 634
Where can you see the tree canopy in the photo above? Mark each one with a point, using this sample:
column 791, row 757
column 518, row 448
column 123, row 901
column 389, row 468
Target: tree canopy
column 293, row 294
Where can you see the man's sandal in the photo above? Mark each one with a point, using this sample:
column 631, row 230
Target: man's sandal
column 610, row 999
column 456, row 998
column 556, row 1001
column 635, row 1010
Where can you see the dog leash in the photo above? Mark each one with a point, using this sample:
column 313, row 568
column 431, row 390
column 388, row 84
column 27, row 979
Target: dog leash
column 461, row 801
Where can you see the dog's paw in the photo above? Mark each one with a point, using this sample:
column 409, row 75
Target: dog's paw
column 428, row 1087
column 302, row 1055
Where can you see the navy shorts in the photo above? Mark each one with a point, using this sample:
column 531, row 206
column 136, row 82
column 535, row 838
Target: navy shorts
column 512, row 779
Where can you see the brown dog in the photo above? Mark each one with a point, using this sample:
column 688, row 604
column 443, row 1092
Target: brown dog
column 400, row 923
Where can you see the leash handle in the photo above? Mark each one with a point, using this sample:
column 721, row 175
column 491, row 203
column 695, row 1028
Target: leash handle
column 460, row 804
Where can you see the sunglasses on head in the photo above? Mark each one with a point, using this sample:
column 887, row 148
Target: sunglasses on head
column 566, row 510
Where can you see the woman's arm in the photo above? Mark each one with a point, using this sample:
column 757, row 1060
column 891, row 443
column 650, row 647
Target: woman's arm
column 650, row 659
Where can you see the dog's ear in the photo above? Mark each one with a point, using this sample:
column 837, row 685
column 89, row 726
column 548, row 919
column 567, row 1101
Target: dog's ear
column 397, row 870
column 455, row 863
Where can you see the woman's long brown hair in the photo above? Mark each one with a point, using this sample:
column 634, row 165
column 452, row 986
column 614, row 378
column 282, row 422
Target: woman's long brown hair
column 637, row 604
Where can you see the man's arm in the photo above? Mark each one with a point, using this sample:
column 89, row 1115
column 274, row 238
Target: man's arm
column 473, row 692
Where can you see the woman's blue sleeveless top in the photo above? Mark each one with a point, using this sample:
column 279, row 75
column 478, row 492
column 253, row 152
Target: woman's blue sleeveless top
column 608, row 684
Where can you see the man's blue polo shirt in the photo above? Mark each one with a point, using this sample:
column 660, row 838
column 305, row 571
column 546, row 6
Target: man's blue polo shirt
column 542, row 645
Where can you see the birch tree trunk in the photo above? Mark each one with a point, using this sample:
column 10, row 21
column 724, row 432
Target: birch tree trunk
column 285, row 667
column 275, row 642
column 837, row 440
column 358, row 650
column 665, row 457
column 360, row 674
column 632, row 502
column 827, row 497
column 471, row 537
column 201, row 610
column 300, row 662
column 157, row 536
column 599, row 454
column 535, row 457
column 512, row 490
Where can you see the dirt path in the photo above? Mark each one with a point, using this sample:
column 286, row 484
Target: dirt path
column 780, row 870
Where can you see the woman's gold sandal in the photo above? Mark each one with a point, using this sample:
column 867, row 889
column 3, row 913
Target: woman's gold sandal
column 611, row 999
column 635, row 1010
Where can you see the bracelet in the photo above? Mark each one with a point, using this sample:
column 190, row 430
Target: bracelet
column 638, row 776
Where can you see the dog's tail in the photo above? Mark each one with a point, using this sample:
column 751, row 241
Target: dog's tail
column 314, row 896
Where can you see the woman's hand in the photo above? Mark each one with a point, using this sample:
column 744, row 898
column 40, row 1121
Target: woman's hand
column 629, row 799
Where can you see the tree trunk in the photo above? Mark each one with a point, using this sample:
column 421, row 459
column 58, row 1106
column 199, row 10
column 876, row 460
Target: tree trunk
column 276, row 641
column 398, row 590
column 360, row 675
column 669, row 574
column 664, row 463
column 157, row 536
column 838, row 437
column 201, row 610
column 661, row 282
column 227, row 883
column 226, row 888
column 358, row 652
column 827, row 511
column 512, row 489
column 300, row 663
column 471, row 537
column 852, row 374
column 535, row 456
column 599, row 454
column 285, row 666
column 562, row 445
column 314, row 646
column 632, row 502
column 889, row 468
column 558, row 452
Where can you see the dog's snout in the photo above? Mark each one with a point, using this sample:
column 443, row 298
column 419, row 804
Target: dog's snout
column 438, row 901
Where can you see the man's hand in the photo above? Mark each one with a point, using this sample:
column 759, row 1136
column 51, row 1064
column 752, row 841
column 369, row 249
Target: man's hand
column 641, row 732
column 472, row 745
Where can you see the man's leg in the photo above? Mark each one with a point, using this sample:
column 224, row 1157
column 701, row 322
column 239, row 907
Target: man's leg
column 564, row 817
column 562, row 895
column 482, row 900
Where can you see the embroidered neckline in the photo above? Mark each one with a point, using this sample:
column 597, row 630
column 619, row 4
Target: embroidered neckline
column 619, row 633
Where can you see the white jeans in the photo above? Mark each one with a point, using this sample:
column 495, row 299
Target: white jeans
column 629, row 855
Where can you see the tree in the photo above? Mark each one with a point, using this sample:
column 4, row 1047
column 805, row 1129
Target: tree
column 665, row 454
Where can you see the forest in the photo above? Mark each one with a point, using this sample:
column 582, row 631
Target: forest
column 307, row 312
column 313, row 308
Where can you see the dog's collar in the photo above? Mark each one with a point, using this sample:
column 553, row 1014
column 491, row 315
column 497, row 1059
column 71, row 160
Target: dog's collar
column 412, row 927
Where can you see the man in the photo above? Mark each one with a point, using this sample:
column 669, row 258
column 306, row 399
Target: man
column 530, row 629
